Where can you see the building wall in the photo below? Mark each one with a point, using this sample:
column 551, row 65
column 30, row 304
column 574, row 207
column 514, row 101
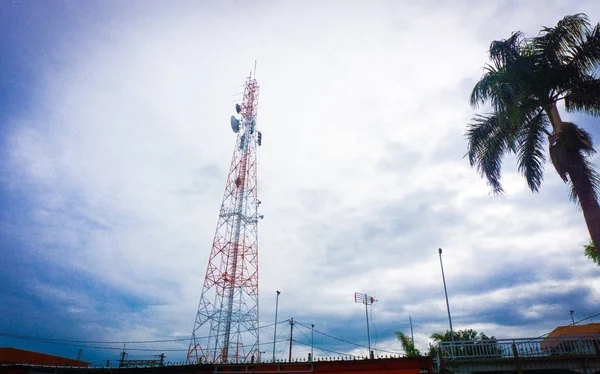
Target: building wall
column 20, row 356
column 378, row 366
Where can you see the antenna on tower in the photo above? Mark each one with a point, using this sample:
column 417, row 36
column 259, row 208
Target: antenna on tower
column 363, row 298
column 254, row 69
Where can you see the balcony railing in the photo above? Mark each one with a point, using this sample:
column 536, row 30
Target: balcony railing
column 522, row 348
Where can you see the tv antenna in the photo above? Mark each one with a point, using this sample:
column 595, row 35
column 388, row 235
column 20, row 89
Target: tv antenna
column 363, row 298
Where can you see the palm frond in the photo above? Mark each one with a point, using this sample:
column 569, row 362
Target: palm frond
column 483, row 89
column 584, row 95
column 404, row 340
column 440, row 336
column 503, row 90
column 556, row 45
column 505, row 97
column 586, row 56
column 407, row 344
column 504, row 51
column 490, row 137
column 510, row 89
column 530, row 150
column 497, row 87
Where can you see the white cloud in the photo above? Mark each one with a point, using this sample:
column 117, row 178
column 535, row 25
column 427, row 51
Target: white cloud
column 362, row 107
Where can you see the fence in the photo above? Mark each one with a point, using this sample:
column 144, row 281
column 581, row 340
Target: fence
column 572, row 352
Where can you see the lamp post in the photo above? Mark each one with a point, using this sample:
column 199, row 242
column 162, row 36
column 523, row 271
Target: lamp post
column 446, row 293
column 275, row 332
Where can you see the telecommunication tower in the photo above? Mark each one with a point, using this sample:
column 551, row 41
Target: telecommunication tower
column 226, row 325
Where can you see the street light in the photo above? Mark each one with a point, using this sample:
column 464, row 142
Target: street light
column 275, row 332
column 446, row 292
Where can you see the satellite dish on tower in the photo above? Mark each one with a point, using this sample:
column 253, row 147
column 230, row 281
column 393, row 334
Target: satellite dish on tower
column 238, row 108
column 235, row 124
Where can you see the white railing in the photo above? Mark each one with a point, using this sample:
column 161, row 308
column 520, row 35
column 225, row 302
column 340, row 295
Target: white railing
column 531, row 347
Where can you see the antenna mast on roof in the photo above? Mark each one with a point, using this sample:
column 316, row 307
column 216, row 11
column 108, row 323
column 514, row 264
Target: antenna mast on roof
column 363, row 298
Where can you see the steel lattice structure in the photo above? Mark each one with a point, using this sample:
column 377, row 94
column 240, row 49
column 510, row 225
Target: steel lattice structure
column 226, row 326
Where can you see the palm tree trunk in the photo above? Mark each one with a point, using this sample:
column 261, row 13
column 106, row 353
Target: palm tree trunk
column 554, row 116
column 581, row 183
column 585, row 192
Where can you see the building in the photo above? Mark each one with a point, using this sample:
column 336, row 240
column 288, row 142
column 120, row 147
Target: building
column 568, row 338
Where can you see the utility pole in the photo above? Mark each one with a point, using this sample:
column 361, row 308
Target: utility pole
column 368, row 333
column 275, row 331
column 412, row 336
column 312, row 342
column 291, row 336
column 122, row 360
column 447, row 303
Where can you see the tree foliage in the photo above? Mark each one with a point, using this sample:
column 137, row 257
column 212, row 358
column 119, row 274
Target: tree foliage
column 471, row 342
column 590, row 252
column 407, row 345
column 460, row 335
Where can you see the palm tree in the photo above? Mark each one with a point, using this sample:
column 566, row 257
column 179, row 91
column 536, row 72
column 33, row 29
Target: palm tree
column 407, row 345
column 440, row 336
column 524, row 84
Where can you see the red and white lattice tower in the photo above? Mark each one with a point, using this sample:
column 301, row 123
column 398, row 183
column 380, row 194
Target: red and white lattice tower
column 226, row 327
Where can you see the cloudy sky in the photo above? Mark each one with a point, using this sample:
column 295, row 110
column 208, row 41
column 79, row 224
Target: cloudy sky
column 115, row 138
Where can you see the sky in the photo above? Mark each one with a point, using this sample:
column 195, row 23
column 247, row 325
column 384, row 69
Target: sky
column 115, row 139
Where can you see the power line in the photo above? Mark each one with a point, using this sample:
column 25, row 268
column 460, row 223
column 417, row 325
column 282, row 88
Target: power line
column 282, row 350
column 375, row 326
column 347, row 341
column 127, row 349
column 326, row 350
column 25, row 337
column 302, row 332
column 56, row 340
column 306, row 336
